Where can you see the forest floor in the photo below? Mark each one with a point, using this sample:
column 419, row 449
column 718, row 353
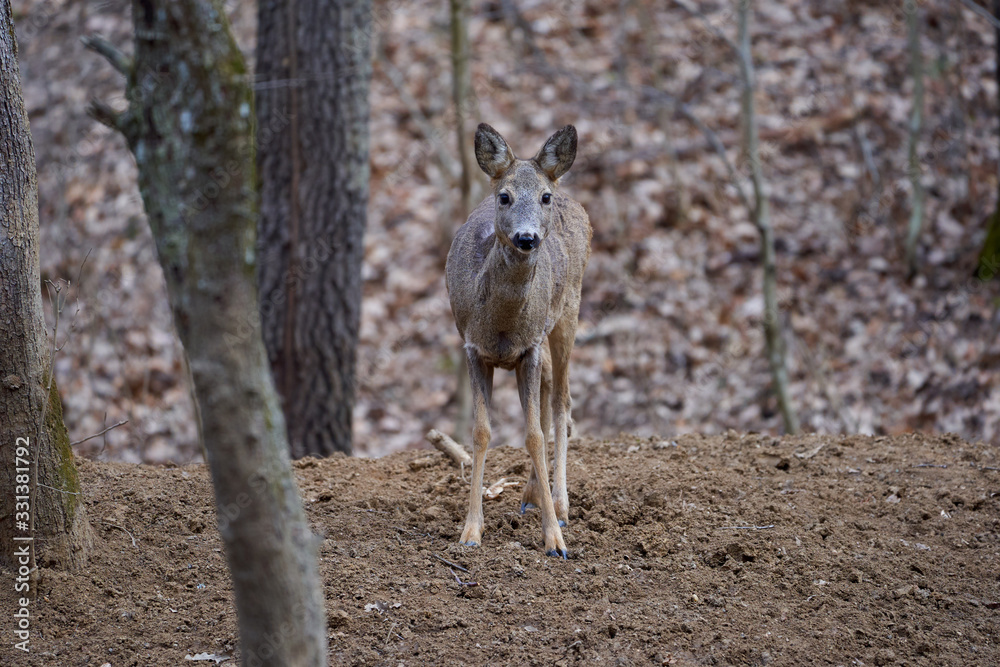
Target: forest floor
column 730, row 549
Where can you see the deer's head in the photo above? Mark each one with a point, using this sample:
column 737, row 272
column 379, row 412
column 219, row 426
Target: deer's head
column 524, row 189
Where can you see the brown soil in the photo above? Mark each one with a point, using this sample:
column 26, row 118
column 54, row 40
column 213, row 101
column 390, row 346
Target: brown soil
column 737, row 549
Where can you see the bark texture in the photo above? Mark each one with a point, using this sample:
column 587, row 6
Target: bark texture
column 30, row 408
column 190, row 126
column 313, row 74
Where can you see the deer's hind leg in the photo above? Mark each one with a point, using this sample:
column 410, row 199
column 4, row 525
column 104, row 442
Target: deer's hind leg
column 561, row 340
column 531, row 497
column 529, row 371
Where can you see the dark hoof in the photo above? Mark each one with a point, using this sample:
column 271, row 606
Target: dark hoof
column 557, row 553
column 469, row 544
column 527, row 506
column 562, row 524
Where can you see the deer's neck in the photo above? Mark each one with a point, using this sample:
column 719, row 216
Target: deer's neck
column 509, row 275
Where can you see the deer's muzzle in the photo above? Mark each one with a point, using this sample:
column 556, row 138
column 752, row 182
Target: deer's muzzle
column 526, row 242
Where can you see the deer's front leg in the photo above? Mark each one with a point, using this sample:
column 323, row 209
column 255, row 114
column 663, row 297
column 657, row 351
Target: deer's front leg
column 481, row 377
column 531, row 497
column 529, row 373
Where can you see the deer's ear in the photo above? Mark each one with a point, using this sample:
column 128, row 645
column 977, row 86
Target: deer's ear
column 558, row 153
column 492, row 152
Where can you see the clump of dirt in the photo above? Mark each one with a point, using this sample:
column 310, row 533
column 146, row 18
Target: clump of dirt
column 735, row 549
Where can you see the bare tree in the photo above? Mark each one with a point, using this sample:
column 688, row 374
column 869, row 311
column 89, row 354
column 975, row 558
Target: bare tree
column 761, row 214
column 40, row 498
column 190, row 126
column 915, row 129
column 313, row 74
column 759, row 207
column 989, row 257
column 461, row 87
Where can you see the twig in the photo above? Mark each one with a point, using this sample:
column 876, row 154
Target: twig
column 443, row 443
column 388, row 635
column 448, row 562
column 104, row 421
column 982, row 11
column 929, row 465
column 746, row 527
column 69, row 493
column 101, row 46
column 134, row 544
column 463, row 583
column 97, row 435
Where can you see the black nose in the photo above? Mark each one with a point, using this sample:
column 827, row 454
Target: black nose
column 526, row 241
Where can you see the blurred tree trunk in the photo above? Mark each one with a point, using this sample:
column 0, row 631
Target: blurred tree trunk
column 190, row 127
column 39, row 491
column 916, row 127
column 989, row 257
column 461, row 87
column 313, row 74
column 762, row 219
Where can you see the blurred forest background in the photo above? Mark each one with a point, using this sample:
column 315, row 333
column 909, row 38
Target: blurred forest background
column 670, row 335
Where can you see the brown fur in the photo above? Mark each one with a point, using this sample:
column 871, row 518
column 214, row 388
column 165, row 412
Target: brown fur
column 518, row 310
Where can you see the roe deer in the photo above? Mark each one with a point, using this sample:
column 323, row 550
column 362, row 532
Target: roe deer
column 514, row 274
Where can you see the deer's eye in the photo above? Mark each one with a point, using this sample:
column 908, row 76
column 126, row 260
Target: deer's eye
column 504, row 198
column 547, row 198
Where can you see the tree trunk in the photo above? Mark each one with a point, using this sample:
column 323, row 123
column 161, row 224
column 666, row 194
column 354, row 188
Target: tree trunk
column 190, row 126
column 989, row 256
column 916, row 127
column 313, row 74
column 36, row 461
column 762, row 219
column 461, row 86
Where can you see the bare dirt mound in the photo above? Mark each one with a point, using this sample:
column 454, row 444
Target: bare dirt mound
column 737, row 549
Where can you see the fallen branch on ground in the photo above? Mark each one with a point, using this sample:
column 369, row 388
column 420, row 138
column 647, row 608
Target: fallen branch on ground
column 446, row 445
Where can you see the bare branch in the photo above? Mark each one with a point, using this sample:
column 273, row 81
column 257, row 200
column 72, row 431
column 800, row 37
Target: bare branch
column 105, row 115
column 448, row 562
column 99, row 45
column 97, row 435
column 982, row 11
column 446, row 445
